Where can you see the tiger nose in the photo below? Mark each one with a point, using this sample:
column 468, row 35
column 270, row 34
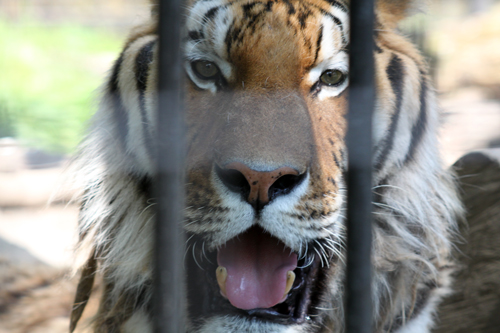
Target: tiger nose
column 258, row 187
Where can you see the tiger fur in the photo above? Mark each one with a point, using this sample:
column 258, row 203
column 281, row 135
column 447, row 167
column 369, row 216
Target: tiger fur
column 258, row 100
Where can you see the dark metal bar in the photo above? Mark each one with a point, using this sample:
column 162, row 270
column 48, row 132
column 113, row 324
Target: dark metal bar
column 169, row 183
column 359, row 175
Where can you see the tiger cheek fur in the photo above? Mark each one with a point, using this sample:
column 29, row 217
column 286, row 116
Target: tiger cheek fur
column 266, row 98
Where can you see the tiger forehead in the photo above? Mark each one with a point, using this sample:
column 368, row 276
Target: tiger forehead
column 276, row 48
column 267, row 40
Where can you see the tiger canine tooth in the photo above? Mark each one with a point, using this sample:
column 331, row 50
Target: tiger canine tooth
column 290, row 278
column 221, row 274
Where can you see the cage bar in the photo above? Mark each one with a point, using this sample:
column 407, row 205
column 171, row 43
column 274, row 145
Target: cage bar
column 169, row 291
column 359, row 175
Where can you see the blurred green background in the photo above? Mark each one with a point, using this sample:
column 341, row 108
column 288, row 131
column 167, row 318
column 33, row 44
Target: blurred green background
column 54, row 55
column 48, row 79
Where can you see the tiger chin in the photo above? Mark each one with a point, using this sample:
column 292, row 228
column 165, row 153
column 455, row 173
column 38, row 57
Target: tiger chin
column 266, row 96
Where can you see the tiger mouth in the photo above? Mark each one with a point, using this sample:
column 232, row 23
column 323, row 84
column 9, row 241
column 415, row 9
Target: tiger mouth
column 209, row 297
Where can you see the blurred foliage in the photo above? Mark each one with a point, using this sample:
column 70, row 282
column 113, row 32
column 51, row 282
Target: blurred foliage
column 49, row 80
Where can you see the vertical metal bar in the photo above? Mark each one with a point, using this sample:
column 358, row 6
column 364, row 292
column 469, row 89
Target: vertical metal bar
column 359, row 175
column 169, row 183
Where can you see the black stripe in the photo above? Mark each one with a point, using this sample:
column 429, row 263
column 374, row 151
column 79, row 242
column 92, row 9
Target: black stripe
column 269, row 5
column 143, row 183
column 318, row 44
column 336, row 160
column 291, row 8
column 338, row 5
column 119, row 113
column 195, row 35
column 233, row 35
column 315, row 89
column 211, row 13
column 337, row 22
column 395, row 73
column 247, row 9
column 302, row 16
column 253, row 17
column 418, row 129
column 142, row 62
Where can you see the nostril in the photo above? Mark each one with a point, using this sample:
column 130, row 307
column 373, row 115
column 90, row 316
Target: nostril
column 258, row 188
column 233, row 179
column 284, row 185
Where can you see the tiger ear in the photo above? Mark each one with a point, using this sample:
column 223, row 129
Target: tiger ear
column 391, row 12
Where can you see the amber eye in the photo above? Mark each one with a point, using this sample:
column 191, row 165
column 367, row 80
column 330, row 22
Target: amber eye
column 332, row 77
column 206, row 70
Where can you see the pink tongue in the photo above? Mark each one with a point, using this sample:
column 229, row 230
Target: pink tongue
column 257, row 265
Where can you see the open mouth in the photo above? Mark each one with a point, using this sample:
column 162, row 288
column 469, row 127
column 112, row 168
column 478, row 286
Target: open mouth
column 254, row 275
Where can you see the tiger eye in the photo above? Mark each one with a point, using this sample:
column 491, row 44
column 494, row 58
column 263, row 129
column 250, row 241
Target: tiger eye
column 205, row 69
column 332, row 77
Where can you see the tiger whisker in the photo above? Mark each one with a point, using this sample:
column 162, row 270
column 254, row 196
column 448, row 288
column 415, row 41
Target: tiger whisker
column 204, row 254
column 308, row 264
column 324, row 253
column 194, row 257
column 320, row 256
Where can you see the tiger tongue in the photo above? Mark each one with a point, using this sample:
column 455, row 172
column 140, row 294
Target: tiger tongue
column 257, row 266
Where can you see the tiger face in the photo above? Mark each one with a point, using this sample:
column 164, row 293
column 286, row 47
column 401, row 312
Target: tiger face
column 266, row 99
column 265, row 114
column 263, row 187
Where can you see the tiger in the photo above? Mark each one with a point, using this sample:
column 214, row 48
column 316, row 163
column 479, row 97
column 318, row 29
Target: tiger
column 266, row 88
